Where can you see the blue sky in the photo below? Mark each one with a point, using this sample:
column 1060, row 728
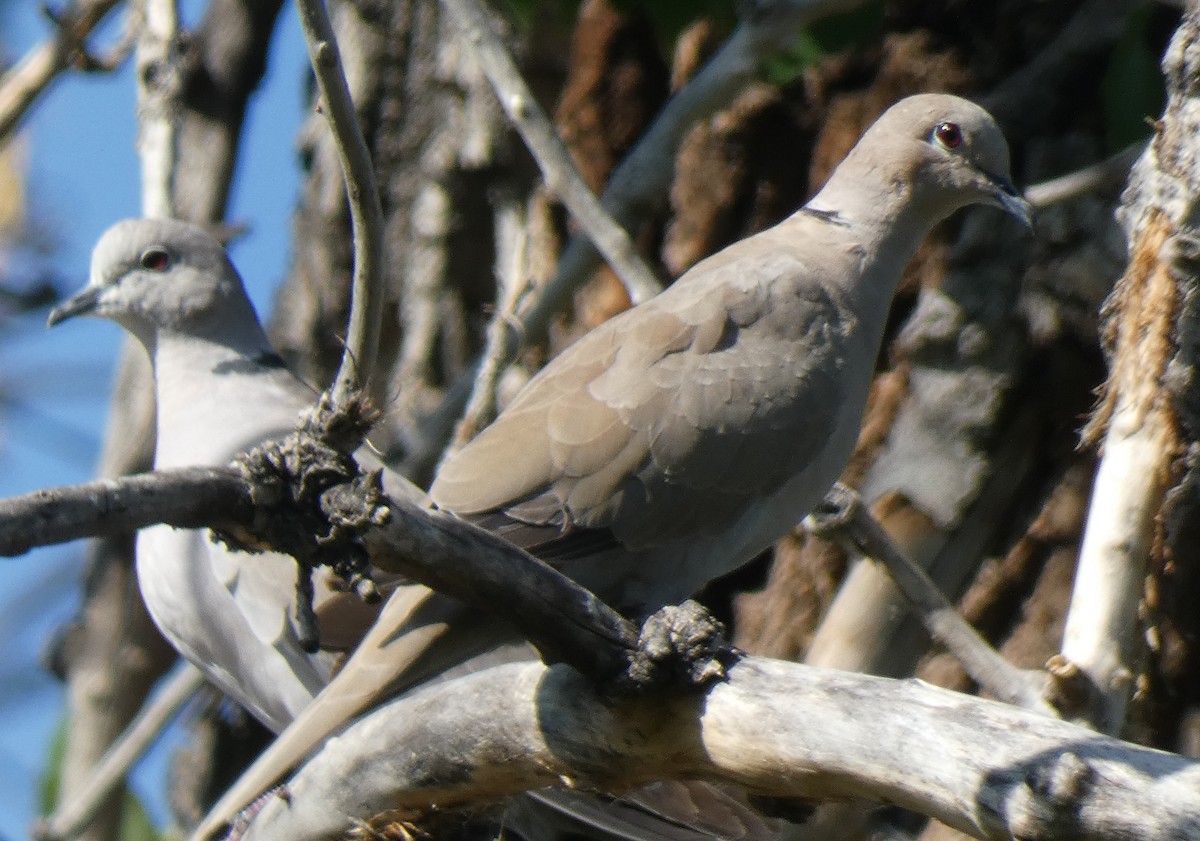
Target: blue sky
column 82, row 175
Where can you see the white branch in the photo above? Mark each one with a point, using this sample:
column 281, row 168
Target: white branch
column 781, row 729
column 160, row 81
column 1144, row 402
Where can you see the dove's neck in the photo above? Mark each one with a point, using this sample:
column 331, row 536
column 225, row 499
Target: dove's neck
column 879, row 222
column 218, row 393
column 881, row 207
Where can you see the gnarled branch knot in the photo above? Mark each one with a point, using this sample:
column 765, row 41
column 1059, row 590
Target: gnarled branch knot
column 312, row 500
column 679, row 645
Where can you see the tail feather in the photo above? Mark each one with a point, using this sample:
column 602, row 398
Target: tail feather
column 419, row 635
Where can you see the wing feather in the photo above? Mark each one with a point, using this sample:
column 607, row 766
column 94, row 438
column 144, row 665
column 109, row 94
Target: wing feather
column 699, row 402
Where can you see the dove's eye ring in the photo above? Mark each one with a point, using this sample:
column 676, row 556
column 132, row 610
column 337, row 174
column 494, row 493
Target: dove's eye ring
column 948, row 135
column 155, row 259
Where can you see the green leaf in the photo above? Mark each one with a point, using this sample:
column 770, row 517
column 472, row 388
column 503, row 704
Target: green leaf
column 52, row 777
column 825, row 37
column 1132, row 88
column 669, row 18
column 135, row 821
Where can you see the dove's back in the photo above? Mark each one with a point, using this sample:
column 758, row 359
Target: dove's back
column 230, row 611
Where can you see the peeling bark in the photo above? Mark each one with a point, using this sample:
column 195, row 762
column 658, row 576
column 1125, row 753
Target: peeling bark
column 987, row 769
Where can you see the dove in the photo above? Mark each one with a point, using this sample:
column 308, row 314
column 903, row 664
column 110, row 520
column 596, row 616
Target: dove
column 679, row 439
column 219, row 388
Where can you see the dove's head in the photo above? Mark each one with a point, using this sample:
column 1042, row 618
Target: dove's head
column 941, row 153
column 150, row 275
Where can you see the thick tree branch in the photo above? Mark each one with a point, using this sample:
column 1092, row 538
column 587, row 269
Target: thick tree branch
column 160, row 84
column 988, row 769
column 224, row 63
column 1147, row 416
column 366, row 213
column 563, row 621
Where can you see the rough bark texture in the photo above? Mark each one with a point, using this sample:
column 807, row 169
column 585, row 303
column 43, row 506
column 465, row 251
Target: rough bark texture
column 968, row 451
column 990, row 770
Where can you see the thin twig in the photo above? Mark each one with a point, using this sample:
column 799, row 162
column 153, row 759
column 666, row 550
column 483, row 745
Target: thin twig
column 843, row 516
column 1106, row 175
column 366, row 213
column 21, row 86
column 551, row 154
column 73, row 818
column 511, row 236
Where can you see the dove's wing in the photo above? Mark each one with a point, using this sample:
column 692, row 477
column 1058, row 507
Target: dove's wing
column 670, row 422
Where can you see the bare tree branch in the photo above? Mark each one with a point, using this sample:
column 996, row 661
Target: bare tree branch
column 1107, row 174
column 553, row 159
column 21, row 86
column 366, row 213
column 191, row 497
column 843, row 515
column 225, row 61
column 990, row 770
column 563, row 621
column 72, row 818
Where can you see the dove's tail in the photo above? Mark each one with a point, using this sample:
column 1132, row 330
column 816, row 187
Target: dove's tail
column 419, row 635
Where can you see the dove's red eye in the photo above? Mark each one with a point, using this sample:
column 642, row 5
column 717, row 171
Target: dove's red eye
column 948, row 134
column 155, row 259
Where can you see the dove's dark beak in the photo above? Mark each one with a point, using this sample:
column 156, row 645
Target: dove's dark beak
column 1011, row 201
column 81, row 303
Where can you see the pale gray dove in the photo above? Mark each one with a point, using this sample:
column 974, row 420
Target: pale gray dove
column 219, row 388
column 679, row 439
